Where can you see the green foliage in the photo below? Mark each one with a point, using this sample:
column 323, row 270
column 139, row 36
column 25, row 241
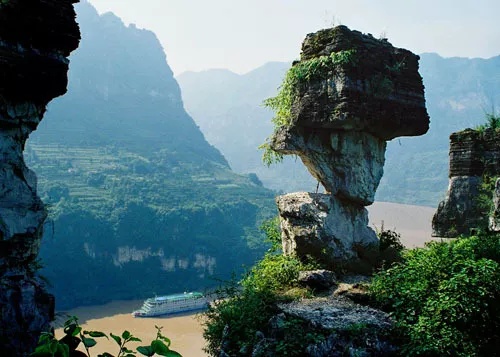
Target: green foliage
column 244, row 313
column 246, row 307
column 300, row 73
column 294, row 338
column 97, row 196
column 389, row 239
column 49, row 346
column 271, row 228
column 492, row 122
column 273, row 273
column 445, row 298
column 484, row 199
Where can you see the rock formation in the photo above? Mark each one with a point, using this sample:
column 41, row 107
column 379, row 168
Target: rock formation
column 35, row 39
column 474, row 161
column 353, row 93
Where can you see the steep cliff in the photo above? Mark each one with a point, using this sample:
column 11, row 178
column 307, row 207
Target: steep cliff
column 339, row 104
column 35, row 39
column 136, row 194
column 474, row 161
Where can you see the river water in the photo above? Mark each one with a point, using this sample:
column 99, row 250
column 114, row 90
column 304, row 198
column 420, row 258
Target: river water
column 184, row 330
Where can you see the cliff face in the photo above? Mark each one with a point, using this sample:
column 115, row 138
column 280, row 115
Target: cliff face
column 474, row 158
column 357, row 93
column 35, row 39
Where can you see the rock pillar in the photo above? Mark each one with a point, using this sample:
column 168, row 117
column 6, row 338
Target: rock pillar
column 351, row 94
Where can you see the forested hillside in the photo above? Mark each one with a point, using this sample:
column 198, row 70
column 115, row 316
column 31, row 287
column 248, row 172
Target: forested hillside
column 140, row 203
column 458, row 93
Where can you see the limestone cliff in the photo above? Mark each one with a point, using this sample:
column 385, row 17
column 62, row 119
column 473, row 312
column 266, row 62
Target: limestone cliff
column 352, row 94
column 474, row 158
column 35, row 39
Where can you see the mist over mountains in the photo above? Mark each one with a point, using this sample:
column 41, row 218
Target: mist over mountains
column 228, row 108
column 140, row 203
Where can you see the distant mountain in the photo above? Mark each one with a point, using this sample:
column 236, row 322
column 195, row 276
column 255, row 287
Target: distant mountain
column 140, row 203
column 228, row 108
column 458, row 92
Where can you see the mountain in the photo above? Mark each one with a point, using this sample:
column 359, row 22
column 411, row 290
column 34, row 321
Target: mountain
column 228, row 108
column 139, row 202
column 458, row 93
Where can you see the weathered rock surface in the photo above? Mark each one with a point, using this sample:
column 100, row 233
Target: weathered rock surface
column 35, row 38
column 317, row 280
column 474, row 155
column 349, row 164
column 380, row 91
column 340, row 120
column 319, row 225
column 494, row 223
column 349, row 329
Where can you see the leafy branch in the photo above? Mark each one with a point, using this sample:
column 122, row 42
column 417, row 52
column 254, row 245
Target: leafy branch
column 49, row 346
column 492, row 122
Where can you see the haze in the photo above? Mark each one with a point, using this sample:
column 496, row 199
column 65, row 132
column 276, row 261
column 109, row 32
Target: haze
column 242, row 35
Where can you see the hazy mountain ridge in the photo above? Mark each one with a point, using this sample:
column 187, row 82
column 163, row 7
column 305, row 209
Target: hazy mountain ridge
column 458, row 92
column 231, row 115
column 140, row 203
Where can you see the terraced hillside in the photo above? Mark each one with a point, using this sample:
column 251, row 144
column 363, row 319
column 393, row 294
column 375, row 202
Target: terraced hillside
column 140, row 203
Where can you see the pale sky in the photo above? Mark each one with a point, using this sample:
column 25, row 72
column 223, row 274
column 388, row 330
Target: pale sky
column 241, row 35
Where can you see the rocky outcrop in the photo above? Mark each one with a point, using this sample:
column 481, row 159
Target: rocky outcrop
column 474, row 161
column 320, row 226
column 35, row 39
column 341, row 327
column 357, row 93
column 494, row 220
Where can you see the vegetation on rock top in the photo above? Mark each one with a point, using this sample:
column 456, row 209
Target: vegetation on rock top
column 300, row 73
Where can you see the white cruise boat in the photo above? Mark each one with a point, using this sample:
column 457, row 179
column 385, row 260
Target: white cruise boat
column 170, row 304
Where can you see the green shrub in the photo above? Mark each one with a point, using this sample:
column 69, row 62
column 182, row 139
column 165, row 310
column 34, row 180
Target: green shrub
column 246, row 307
column 484, row 199
column 235, row 320
column 445, row 298
column 492, row 122
column 389, row 239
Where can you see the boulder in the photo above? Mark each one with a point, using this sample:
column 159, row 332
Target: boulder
column 319, row 226
column 318, row 280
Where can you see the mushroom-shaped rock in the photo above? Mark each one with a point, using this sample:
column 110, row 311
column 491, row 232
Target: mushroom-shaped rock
column 337, row 107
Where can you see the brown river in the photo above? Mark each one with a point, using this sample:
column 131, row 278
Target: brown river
column 184, row 330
